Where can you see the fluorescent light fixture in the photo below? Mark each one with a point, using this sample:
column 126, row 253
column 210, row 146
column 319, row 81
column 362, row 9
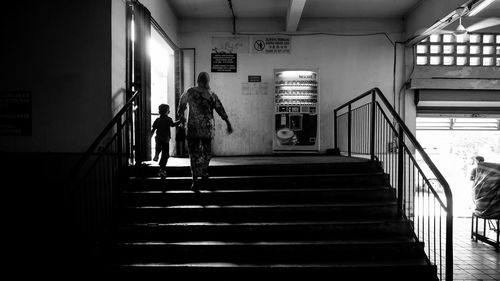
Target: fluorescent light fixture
column 479, row 7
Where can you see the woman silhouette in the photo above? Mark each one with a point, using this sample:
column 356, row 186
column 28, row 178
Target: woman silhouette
column 201, row 126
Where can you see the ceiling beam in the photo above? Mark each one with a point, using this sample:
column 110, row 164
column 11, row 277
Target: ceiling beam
column 293, row 15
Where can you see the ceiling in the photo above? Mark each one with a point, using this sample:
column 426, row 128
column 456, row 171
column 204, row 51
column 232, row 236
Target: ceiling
column 278, row 8
column 492, row 11
column 187, row 9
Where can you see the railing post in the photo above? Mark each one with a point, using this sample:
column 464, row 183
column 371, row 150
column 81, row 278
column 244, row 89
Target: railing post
column 120, row 143
column 449, row 241
column 400, row 170
column 335, row 143
column 133, row 123
column 349, row 130
column 372, row 127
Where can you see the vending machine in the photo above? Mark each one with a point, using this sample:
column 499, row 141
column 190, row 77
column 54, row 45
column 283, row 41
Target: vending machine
column 296, row 110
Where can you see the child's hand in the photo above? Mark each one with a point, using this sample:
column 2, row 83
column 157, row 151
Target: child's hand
column 229, row 128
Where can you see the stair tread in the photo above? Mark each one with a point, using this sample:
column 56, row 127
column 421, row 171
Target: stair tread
column 350, row 221
column 259, row 176
column 347, row 263
column 271, row 243
column 225, row 191
column 350, row 204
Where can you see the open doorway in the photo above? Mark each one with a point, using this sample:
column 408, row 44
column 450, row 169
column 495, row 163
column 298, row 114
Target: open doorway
column 452, row 143
column 162, row 80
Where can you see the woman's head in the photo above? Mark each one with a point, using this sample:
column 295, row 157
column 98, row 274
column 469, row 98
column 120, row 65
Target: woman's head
column 204, row 80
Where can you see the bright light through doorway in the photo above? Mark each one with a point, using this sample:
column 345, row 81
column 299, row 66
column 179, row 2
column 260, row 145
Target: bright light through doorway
column 453, row 150
column 162, row 78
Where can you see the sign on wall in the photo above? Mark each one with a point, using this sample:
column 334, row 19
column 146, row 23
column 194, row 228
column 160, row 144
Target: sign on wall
column 230, row 45
column 271, row 45
column 255, row 86
column 15, row 113
column 224, row 62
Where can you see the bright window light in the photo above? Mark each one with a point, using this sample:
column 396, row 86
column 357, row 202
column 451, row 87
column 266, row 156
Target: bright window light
column 448, row 49
column 448, row 38
column 435, row 38
column 474, row 49
column 487, row 61
column 474, row 61
column 489, row 39
column 435, row 49
column 435, row 60
column 487, row 50
column 421, row 60
column 475, row 38
column 448, row 60
column 461, row 49
column 421, row 49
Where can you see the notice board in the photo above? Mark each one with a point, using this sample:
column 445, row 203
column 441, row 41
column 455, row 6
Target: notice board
column 15, row 113
column 224, row 62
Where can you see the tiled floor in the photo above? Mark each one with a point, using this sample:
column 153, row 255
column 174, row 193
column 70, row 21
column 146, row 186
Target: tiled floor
column 473, row 260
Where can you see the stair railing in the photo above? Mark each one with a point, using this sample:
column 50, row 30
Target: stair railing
column 368, row 126
column 92, row 185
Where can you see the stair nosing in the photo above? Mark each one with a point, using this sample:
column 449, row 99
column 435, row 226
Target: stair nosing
column 379, row 263
column 260, row 176
column 262, row 206
column 406, row 240
column 284, row 223
column 227, row 191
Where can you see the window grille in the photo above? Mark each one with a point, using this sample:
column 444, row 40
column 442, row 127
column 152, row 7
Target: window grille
column 451, row 50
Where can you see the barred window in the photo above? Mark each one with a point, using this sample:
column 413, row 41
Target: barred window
column 448, row 50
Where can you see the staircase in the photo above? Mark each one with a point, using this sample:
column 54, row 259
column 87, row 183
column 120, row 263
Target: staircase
column 332, row 221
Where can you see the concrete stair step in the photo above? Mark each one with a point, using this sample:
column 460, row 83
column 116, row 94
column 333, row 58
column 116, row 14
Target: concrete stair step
column 246, row 213
column 265, row 251
column 388, row 269
column 265, row 169
column 260, row 196
column 256, row 231
column 267, row 181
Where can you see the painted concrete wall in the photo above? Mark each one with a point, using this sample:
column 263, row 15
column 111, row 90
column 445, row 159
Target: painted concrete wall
column 74, row 63
column 61, row 53
column 348, row 67
column 118, row 54
column 164, row 15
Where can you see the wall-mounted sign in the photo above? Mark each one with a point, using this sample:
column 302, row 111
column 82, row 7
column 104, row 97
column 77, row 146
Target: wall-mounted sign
column 254, row 78
column 254, row 88
column 224, row 62
column 271, row 45
column 237, row 44
column 15, row 113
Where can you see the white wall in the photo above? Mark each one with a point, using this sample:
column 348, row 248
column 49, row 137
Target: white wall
column 164, row 15
column 348, row 67
column 118, row 54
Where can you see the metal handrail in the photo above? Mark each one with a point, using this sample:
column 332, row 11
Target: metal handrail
column 93, row 183
column 401, row 131
column 107, row 129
